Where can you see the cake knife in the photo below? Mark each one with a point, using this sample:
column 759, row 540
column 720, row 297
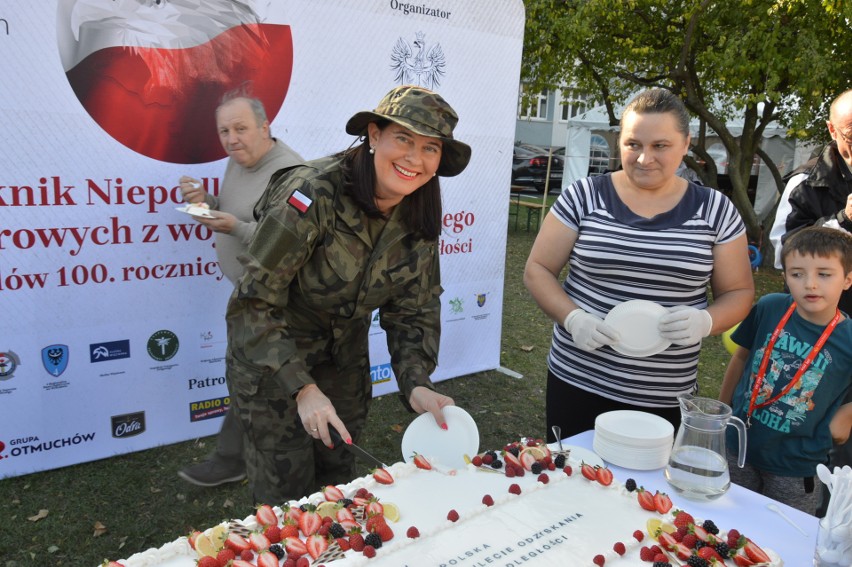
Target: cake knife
column 337, row 441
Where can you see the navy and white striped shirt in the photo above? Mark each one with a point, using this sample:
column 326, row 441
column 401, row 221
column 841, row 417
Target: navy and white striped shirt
column 620, row 256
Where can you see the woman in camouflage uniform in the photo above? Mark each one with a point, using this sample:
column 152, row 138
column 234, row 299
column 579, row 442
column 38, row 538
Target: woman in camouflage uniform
column 337, row 238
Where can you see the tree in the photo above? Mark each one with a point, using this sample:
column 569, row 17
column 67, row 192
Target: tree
column 761, row 60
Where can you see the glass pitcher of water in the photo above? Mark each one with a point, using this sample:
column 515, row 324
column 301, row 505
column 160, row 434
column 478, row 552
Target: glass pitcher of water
column 697, row 468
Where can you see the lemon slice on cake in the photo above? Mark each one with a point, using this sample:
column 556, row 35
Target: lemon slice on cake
column 204, row 546
column 218, row 535
column 655, row 525
column 391, row 511
column 327, row 509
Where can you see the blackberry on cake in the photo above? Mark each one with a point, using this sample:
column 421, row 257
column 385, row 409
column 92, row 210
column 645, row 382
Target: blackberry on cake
column 696, row 561
column 374, row 540
column 336, row 530
column 278, row 550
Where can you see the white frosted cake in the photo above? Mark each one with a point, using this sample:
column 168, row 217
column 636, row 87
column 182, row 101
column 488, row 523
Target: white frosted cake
column 478, row 517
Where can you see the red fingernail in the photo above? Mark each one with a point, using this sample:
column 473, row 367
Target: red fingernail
column 348, row 440
column 444, row 426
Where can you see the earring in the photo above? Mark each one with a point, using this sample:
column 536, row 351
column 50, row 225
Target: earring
column 372, row 150
column 434, row 174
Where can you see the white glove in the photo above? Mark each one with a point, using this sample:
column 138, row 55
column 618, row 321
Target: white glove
column 685, row 325
column 589, row 331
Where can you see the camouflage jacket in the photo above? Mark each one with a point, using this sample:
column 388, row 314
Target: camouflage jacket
column 313, row 278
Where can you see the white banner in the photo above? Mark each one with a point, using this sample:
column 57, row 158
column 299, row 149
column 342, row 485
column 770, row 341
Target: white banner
column 113, row 332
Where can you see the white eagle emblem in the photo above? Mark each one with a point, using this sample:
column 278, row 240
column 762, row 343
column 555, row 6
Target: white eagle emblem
column 418, row 65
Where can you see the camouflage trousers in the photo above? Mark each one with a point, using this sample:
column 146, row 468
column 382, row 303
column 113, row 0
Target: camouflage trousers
column 282, row 461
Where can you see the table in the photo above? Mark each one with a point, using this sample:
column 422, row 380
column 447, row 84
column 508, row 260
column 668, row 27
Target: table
column 532, row 207
column 739, row 508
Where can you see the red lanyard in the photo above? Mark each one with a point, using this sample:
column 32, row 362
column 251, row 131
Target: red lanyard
column 761, row 373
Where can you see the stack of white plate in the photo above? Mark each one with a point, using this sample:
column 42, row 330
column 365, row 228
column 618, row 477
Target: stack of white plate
column 633, row 439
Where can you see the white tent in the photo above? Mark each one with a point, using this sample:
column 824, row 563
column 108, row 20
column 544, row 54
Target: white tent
column 596, row 120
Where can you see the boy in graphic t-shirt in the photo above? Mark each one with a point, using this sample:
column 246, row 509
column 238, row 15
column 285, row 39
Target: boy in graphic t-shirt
column 791, row 370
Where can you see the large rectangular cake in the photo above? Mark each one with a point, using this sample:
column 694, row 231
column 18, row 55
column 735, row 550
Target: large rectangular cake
column 568, row 515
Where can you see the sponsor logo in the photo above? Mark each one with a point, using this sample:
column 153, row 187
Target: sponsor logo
column 381, row 373
column 208, row 409
column 480, row 299
column 128, row 424
column 32, row 445
column 55, row 359
column 456, row 305
column 9, row 362
column 208, row 339
column 112, row 350
column 417, row 63
column 163, row 345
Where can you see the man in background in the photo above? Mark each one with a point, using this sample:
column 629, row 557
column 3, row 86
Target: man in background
column 253, row 156
column 819, row 193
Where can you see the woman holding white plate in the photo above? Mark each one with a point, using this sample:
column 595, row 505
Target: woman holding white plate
column 645, row 234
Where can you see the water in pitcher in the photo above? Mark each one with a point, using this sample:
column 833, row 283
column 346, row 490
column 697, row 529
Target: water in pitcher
column 697, row 473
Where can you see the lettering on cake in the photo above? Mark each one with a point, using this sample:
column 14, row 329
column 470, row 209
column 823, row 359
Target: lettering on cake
column 539, row 542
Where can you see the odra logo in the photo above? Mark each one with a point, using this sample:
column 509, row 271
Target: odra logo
column 167, row 64
column 128, row 424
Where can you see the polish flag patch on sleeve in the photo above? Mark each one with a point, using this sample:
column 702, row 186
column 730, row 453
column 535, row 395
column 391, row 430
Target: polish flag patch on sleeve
column 300, row 201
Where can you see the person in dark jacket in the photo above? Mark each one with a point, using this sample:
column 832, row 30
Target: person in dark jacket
column 820, row 192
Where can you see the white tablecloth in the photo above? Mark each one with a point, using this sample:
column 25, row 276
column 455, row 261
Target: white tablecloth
column 739, row 508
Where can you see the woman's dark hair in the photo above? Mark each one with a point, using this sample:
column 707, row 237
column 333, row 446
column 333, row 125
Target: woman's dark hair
column 422, row 212
column 659, row 101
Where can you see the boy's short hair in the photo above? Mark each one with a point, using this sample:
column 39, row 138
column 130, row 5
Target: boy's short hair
column 822, row 242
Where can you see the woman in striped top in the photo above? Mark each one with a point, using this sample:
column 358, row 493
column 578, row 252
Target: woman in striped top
column 639, row 233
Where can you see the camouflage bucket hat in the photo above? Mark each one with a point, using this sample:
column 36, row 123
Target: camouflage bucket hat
column 423, row 112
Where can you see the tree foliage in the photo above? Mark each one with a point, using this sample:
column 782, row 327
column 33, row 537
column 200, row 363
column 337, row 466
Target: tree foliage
column 758, row 60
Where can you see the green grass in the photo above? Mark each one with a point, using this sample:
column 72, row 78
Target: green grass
column 141, row 503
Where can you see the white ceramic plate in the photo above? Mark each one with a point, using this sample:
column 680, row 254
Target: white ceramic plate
column 619, row 456
column 445, row 447
column 636, row 321
column 634, row 428
column 195, row 211
column 579, row 455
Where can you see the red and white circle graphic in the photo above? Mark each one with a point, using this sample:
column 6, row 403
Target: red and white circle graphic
column 151, row 72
